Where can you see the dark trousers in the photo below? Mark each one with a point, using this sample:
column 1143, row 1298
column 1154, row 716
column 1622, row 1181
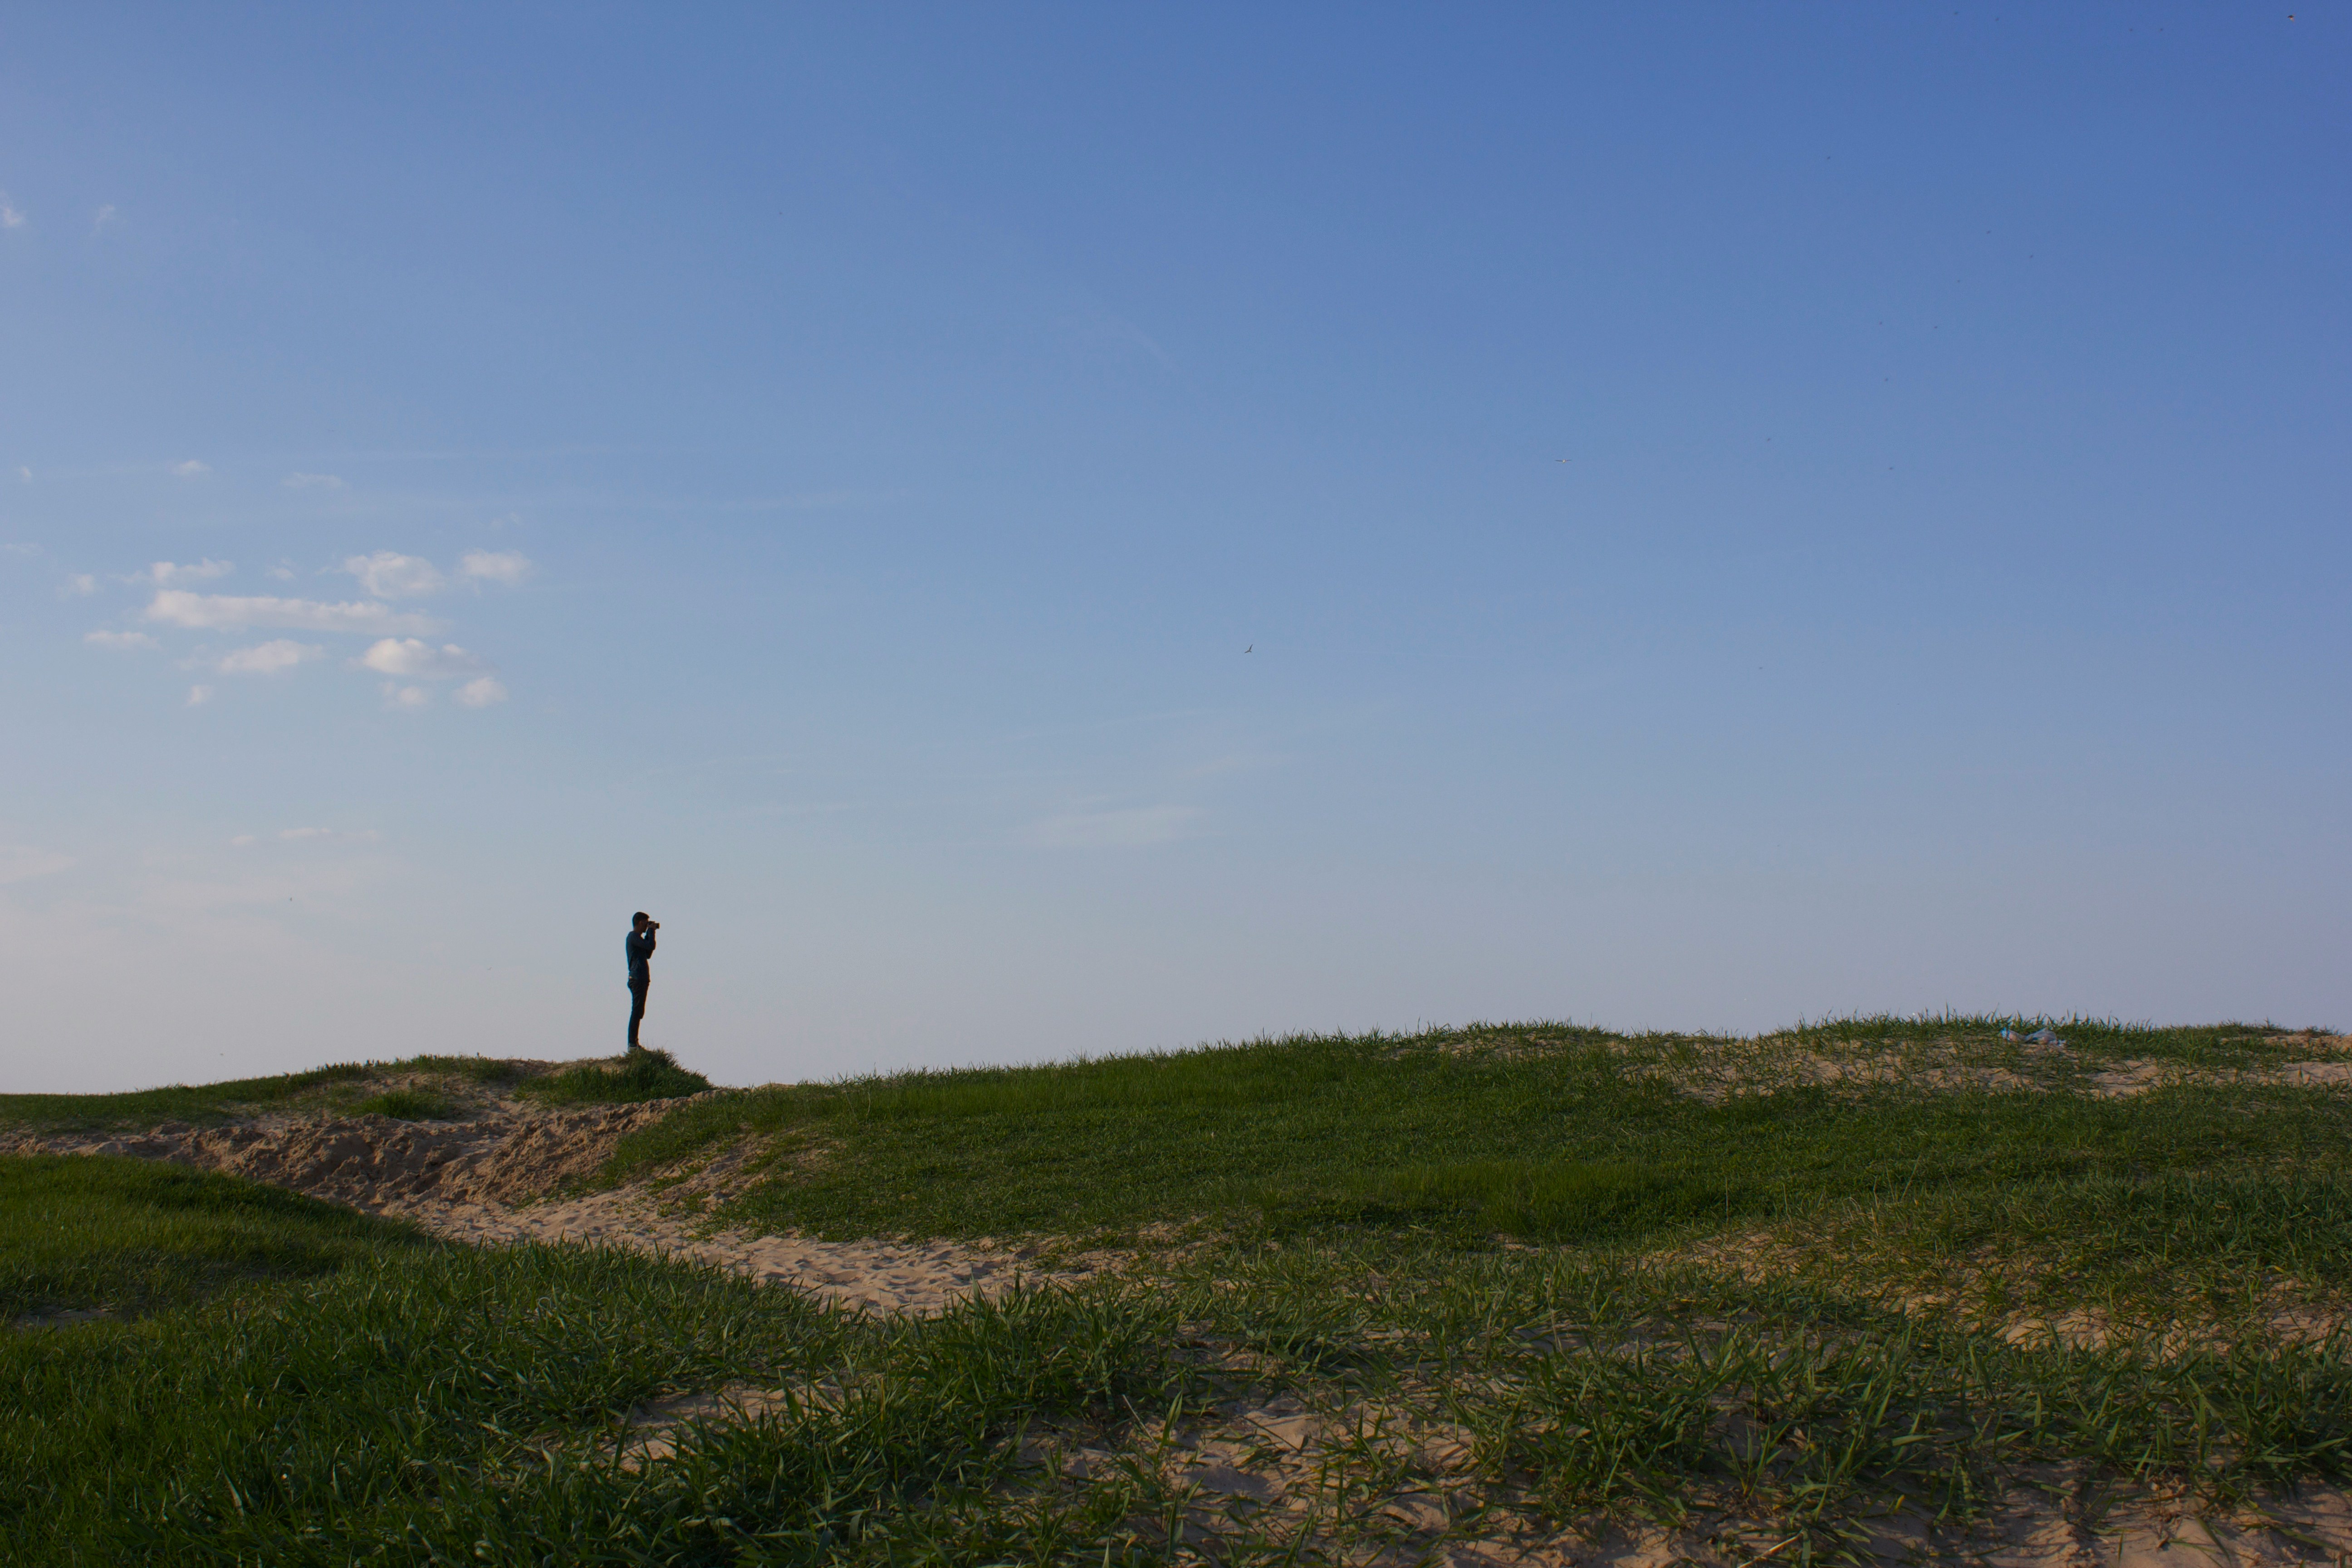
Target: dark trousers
column 638, row 1007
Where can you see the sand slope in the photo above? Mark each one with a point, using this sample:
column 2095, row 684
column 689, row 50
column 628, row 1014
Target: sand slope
column 493, row 1180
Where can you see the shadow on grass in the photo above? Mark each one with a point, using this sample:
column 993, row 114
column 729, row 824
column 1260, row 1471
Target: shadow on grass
column 132, row 1236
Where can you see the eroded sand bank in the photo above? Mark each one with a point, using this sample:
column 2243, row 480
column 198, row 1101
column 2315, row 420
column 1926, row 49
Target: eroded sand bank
column 489, row 1180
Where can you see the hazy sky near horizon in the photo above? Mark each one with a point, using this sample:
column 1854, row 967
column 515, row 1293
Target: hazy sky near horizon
column 1020, row 530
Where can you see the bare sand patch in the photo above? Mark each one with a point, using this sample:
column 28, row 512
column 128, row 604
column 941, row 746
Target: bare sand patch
column 1975, row 1289
column 509, row 1155
column 886, row 1275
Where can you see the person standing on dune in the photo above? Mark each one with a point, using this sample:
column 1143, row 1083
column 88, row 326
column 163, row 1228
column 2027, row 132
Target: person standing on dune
column 641, row 969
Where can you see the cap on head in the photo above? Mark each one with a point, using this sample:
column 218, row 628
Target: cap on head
column 639, row 917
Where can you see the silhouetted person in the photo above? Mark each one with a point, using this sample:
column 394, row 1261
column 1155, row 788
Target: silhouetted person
column 641, row 969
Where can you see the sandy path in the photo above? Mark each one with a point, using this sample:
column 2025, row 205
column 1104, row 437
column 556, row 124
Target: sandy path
column 886, row 1276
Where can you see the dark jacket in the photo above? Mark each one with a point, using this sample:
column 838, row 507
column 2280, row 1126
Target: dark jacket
column 641, row 948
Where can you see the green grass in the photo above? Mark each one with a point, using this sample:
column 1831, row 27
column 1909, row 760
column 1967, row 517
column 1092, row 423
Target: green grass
column 352, row 1391
column 1793, row 1311
column 1561, row 1198
column 491, row 1072
column 637, row 1077
column 406, row 1105
column 363, row 1391
column 210, row 1104
column 1539, row 1132
column 78, row 1233
column 2166, row 1248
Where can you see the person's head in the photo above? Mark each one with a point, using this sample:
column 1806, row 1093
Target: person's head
column 637, row 920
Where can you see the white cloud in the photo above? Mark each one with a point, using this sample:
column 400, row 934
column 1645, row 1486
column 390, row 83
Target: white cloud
column 1112, row 829
column 270, row 658
column 10, row 217
column 312, row 482
column 222, row 612
column 22, row 862
column 21, row 547
column 398, row 695
column 191, row 469
column 388, row 574
column 106, row 214
column 120, row 639
column 311, row 835
column 163, row 573
column 481, row 691
column 283, row 573
column 24, row 473
column 508, row 566
column 81, row 584
column 418, row 660
column 199, row 695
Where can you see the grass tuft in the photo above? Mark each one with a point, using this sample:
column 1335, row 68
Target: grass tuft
column 640, row 1076
column 407, row 1105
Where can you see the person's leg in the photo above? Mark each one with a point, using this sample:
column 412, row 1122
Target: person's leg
column 636, row 1008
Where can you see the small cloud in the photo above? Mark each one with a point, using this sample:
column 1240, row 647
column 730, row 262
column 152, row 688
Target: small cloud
column 11, row 215
column 106, row 214
column 20, row 547
column 270, row 658
column 23, row 862
column 388, row 574
column 310, row 835
column 283, row 573
column 1112, row 829
column 165, row 573
column 398, row 695
column 508, row 566
column 82, row 584
column 24, row 473
column 312, row 482
column 414, row 660
column 480, row 692
column 199, row 695
column 191, row 469
column 120, row 639
column 223, row 612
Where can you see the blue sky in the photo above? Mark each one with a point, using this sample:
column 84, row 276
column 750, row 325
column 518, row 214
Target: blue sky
column 1022, row 531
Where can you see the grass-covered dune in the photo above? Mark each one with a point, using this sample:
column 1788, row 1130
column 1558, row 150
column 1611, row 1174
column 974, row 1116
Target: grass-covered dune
column 1541, row 1132
column 1837, row 1292
column 423, row 1087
